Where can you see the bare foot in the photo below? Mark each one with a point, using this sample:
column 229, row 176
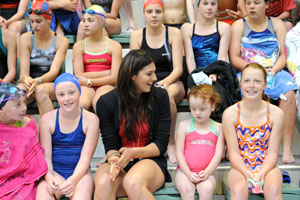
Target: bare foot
column 288, row 158
column 172, row 153
column 101, row 162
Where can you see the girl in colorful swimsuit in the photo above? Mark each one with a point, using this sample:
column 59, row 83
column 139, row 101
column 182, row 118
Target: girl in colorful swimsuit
column 253, row 130
column 69, row 135
column 208, row 39
column 96, row 59
column 199, row 145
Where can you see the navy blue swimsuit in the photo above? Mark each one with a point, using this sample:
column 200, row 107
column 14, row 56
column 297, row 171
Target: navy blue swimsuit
column 205, row 47
column 66, row 148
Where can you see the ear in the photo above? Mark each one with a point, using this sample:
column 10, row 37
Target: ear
column 213, row 107
column 133, row 77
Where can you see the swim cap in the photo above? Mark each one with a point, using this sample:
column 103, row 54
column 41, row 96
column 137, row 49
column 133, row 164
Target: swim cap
column 41, row 7
column 67, row 77
column 9, row 91
column 159, row 2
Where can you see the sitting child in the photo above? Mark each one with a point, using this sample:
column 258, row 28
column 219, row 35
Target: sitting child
column 199, row 145
column 21, row 156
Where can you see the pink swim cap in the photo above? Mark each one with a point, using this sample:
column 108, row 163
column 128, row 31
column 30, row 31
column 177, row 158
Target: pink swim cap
column 159, row 2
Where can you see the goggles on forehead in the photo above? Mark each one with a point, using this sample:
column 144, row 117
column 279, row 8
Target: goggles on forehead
column 10, row 92
column 92, row 12
column 38, row 12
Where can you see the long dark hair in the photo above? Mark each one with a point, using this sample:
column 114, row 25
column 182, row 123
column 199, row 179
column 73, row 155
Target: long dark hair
column 132, row 106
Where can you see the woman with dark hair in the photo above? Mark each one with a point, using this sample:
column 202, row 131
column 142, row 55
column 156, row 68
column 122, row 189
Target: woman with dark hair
column 135, row 123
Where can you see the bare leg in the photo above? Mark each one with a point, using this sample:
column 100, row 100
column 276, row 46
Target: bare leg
column 44, row 94
column 289, row 109
column 273, row 184
column 142, row 179
column 113, row 26
column 128, row 8
column 59, row 29
column 206, row 188
column 84, row 188
column 99, row 92
column 184, row 186
column 106, row 189
column 176, row 94
column 237, row 184
column 86, row 97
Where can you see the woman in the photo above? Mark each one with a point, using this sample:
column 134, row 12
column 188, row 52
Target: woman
column 135, row 125
column 165, row 46
column 259, row 38
column 207, row 40
column 69, row 136
column 8, row 55
column 22, row 162
column 42, row 55
column 113, row 23
column 252, row 129
column 96, row 59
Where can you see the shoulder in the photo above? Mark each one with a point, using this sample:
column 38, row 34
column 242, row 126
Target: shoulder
column 161, row 93
column 109, row 98
column 114, row 44
column 275, row 111
column 137, row 33
column 79, row 44
column 277, row 23
column 26, row 37
column 223, row 26
column 230, row 113
column 49, row 118
column 90, row 117
column 61, row 40
column 238, row 24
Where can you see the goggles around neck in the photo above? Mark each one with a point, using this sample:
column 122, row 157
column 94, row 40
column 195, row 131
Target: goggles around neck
column 38, row 12
column 92, row 12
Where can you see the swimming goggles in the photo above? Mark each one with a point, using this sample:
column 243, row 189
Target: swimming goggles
column 92, row 12
column 9, row 91
column 38, row 12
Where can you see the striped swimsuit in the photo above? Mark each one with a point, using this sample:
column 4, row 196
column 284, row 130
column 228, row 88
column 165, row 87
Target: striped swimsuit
column 253, row 142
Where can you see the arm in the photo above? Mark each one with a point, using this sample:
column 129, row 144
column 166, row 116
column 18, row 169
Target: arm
column 187, row 30
column 224, row 41
column 228, row 124
column 241, row 11
column 284, row 15
column 68, row 5
column 46, row 128
column 115, row 8
column 91, row 129
column 136, row 39
column 280, row 32
column 22, row 9
column 10, row 42
column 191, row 11
column 175, row 40
column 209, row 170
column 25, row 49
column 235, row 45
column 87, row 3
column 270, row 162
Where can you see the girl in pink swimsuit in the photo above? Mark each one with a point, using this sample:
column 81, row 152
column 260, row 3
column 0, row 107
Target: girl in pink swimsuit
column 96, row 59
column 199, row 145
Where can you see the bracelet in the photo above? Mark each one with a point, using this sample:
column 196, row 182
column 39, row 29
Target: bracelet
column 116, row 153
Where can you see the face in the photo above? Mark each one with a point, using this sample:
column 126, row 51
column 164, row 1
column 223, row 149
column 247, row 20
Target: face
column 92, row 23
column 154, row 15
column 67, row 95
column 14, row 109
column 256, row 8
column 208, row 8
column 200, row 109
column 39, row 23
column 253, row 83
column 145, row 78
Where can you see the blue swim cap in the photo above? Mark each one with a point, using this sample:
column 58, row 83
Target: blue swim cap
column 67, row 77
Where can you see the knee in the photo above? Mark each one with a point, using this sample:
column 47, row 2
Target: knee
column 239, row 191
column 186, row 191
column 132, row 183
column 40, row 94
column 85, row 103
column 206, row 190
column 102, row 180
column 272, row 191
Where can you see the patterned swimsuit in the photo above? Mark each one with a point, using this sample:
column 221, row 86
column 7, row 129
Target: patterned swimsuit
column 253, row 142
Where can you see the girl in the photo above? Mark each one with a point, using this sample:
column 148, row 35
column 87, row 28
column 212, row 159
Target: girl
column 258, row 38
column 252, row 129
column 69, row 135
column 113, row 23
column 96, row 59
column 42, row 55
column 135, row 124
column 199, row 145
column 165, row 46
column 208, row 39
column 21, row 156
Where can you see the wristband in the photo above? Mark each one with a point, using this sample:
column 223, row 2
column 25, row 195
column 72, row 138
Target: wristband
column 116, row 153
column 89, row 83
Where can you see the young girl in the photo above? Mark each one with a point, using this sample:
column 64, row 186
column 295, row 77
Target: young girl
column 253, row 130
column 69, row 135
column 208, row 39
column 199, row 145
column 96, row 59
column 21, row 156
